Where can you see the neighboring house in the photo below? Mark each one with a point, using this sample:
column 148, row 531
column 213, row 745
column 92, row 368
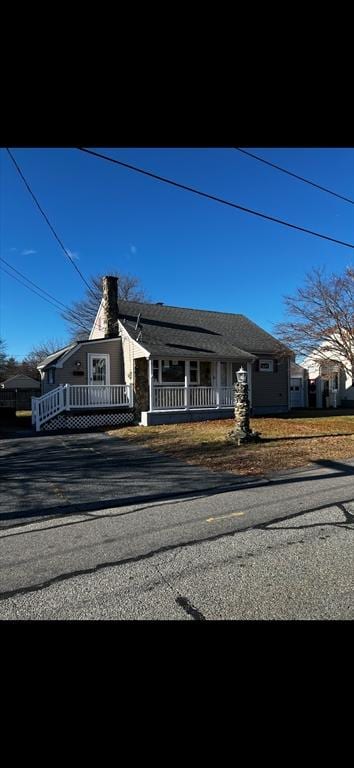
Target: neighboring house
column 331, row 381
column 168, row 363
column 16, row 392
column 20, row 381
column 298, row 386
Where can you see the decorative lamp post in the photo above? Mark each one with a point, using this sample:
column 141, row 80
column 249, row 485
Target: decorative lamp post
column 242, row 432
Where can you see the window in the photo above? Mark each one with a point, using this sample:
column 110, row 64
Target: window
column 194, row 372
column 155, row 370
column 335, row 381
column 224, row 374
column 172, row 371
column 266, row 366
column 51, row 375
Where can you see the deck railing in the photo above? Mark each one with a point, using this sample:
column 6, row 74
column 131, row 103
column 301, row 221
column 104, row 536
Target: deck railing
column 67, row 397
column 97, row 395
column 179, row 397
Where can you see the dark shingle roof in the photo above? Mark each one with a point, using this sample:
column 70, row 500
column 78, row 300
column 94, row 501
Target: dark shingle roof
column 178, row 331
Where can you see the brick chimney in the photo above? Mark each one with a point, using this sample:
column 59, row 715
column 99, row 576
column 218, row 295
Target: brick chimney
column 110, row 306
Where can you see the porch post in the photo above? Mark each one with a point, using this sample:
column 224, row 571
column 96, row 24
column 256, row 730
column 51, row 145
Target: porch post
column 218, row 383
column 186, row 384
column 61, row 397
column 37, row 418
column 151, row 393
column 33, row 411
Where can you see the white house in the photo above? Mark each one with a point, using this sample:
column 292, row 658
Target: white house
column 331, row 378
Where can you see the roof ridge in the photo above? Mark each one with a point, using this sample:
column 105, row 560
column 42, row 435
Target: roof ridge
column 174, row 306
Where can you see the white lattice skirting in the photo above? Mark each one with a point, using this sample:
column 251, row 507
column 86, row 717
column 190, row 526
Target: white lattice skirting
column 88, row 420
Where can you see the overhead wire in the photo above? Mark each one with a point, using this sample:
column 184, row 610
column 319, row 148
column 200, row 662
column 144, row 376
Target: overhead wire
column 47, row 220
column 35, row 284
column 295, row 175
column 3, row 269
column 213, row 197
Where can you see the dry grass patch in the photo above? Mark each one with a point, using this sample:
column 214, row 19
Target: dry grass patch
column 287, row 442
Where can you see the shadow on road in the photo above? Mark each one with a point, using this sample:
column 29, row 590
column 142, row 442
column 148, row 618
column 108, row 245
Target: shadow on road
column 64, row 475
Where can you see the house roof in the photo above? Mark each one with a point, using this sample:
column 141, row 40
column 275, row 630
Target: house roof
column 23, row 378
column 178, row 331
column 60, row 354
column 54, row 358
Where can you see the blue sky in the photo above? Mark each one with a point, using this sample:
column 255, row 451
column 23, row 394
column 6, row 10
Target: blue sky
column 186, row 251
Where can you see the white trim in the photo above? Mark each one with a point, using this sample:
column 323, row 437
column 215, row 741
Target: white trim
column 90, row 356
column 266, row 361
column 95, row 320
column 172, row 383
column 124, row 332
column 44, row 364
column 79, row 345
column 150, row 370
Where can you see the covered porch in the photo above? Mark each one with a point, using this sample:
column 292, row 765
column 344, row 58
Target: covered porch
column 186, row 389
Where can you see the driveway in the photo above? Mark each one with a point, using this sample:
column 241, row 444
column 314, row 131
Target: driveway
column 54, row 474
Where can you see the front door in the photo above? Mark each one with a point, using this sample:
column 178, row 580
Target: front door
column 98, row 375
column 98, row 369
column 296, row 400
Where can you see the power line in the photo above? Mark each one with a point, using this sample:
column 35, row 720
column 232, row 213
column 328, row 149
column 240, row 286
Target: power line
column 58, row 308
column 213, row 197
column 32, row 283
column 58, row 302
column 47, row 220
column 30, row 289
column 295, row 175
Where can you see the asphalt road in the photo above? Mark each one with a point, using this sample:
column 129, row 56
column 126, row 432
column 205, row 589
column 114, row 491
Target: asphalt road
column 130, row 534
column 44, row 476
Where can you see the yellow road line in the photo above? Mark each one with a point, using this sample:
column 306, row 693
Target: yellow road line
column 222, row 517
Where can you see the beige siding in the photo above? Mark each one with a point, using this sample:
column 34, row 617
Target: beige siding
column 271, row 389
column 97, row 328
column 131, row 351
column 65, row 375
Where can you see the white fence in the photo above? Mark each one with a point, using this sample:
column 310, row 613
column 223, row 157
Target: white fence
column 67, row 397
column 178, row 397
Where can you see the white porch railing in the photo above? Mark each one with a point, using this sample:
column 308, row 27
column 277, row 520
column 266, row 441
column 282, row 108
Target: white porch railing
column 97, row 395
column 179, row 397
column 67, row 397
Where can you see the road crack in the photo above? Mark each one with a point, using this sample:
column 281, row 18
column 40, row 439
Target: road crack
column 182, row 601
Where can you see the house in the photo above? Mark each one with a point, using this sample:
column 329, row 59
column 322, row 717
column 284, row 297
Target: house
column 20, row 381
column 161, row 364
column 299, row 395
column 331, row 381
column 16, row 392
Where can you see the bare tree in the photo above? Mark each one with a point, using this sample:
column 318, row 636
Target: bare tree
column 80, row 317
column 3, row 358
column 321, row 318
column 37, row 354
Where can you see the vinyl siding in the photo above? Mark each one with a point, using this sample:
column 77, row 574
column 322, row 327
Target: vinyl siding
column 65, row 375
column 97, row 328
column 270, row 390
column 131, row 351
